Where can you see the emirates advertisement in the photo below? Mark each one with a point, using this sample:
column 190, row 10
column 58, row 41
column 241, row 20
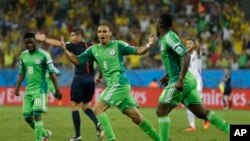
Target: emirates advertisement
column 146, row 97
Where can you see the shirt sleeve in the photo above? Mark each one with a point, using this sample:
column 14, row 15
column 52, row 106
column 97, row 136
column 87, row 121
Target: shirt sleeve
column 21, row 67
column 175, row 43
column 86, row 56
column 68, row 46
column 125, row 48
column 49, row 63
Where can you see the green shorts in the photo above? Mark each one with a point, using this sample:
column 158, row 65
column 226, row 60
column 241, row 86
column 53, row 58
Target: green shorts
column 34, row 102
column 118, row 95
column 188, row 96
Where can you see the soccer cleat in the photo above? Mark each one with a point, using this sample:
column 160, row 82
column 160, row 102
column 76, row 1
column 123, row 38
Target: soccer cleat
column 75, row 138
column 190, row 129
column 206, row 124
column 99, row 131
column 49, row 134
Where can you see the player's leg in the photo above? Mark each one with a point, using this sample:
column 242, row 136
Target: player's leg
column 76, row 99
column 88, row 90
column 230, row 102
column 112, row 96
column 191, row 120
column 99, row 109
column 28, row 112
column 169, row 98
column 194, row 104
column 40, row 102
column 211, row 116
column 129, row 108
column 76, row 119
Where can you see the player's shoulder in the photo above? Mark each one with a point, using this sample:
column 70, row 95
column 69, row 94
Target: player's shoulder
column 44, row 52
column 24, row 52
column 120, row 42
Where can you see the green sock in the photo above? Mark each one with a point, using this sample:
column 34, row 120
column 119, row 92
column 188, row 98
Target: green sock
column 105, row 122
column 164, row 127
column 38, row 130
column 218, row 122
column 146, row 126
column 32, row 125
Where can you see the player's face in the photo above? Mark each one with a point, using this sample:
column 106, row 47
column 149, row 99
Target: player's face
column 190, row 45
column 30, row 44
column 104, row 34
column 73, row 37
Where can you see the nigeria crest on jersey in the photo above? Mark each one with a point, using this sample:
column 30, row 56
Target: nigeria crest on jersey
column 112, row 52
column 38, row 61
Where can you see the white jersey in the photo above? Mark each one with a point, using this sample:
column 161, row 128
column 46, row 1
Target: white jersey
column 195, row 69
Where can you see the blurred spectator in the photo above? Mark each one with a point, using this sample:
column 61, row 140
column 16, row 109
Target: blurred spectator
column 153, row 84
column 221, row 26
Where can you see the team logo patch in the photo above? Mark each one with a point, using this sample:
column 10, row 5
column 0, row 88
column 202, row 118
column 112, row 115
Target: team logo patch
column 112, row 52
column 38, row 61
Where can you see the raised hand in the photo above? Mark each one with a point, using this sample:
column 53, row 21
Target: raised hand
column 164, row 81
column 152, row 38
column 63, row 45
column 40, row 37
column 58, row 95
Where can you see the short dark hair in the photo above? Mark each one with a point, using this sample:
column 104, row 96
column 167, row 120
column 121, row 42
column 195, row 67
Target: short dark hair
column 28, row 35
column 78, row 31
column 165, row 20
column 106, row 24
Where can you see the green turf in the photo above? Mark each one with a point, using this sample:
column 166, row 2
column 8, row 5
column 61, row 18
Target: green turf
column 13, row 127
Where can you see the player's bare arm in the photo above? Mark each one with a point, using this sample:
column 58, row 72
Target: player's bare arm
column 70, row 56
column 144, row 49
column 184, row 69
column 19, row 82
column 58, row 94
column 43, row 38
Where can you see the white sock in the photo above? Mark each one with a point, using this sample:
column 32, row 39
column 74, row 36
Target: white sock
column 191, row 118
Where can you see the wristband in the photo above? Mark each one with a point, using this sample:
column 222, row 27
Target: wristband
column 148, row 46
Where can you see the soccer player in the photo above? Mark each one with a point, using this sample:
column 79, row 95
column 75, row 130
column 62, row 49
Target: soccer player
column 182, row 85
column 83, row 85
column 34, row 62
column 109, row 56
column 227, row 98
column 195, row 69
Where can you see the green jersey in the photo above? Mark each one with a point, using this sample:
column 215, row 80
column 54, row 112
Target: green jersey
column 109, row 60
column 34, row 66
column 172, row 51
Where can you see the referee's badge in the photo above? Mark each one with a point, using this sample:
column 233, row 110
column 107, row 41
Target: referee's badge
column 112, row 52
column 38, row 61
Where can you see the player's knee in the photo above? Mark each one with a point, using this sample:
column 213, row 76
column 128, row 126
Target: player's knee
column 137, row 119
column 28, row 119
column 160, row 112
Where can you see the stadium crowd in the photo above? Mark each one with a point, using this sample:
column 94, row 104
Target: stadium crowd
column 221, row 29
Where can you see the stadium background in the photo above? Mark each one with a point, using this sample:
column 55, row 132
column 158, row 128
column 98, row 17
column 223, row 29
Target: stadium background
column 222, row 28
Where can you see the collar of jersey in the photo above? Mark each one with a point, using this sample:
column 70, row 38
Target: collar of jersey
column 106, row 45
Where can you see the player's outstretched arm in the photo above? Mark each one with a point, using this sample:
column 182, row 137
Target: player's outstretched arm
column 43, row 38
column 18, row 84
column 70, row 56
column 144, row 49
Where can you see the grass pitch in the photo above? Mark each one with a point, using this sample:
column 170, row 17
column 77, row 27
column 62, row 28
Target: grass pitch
column 58, row 120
